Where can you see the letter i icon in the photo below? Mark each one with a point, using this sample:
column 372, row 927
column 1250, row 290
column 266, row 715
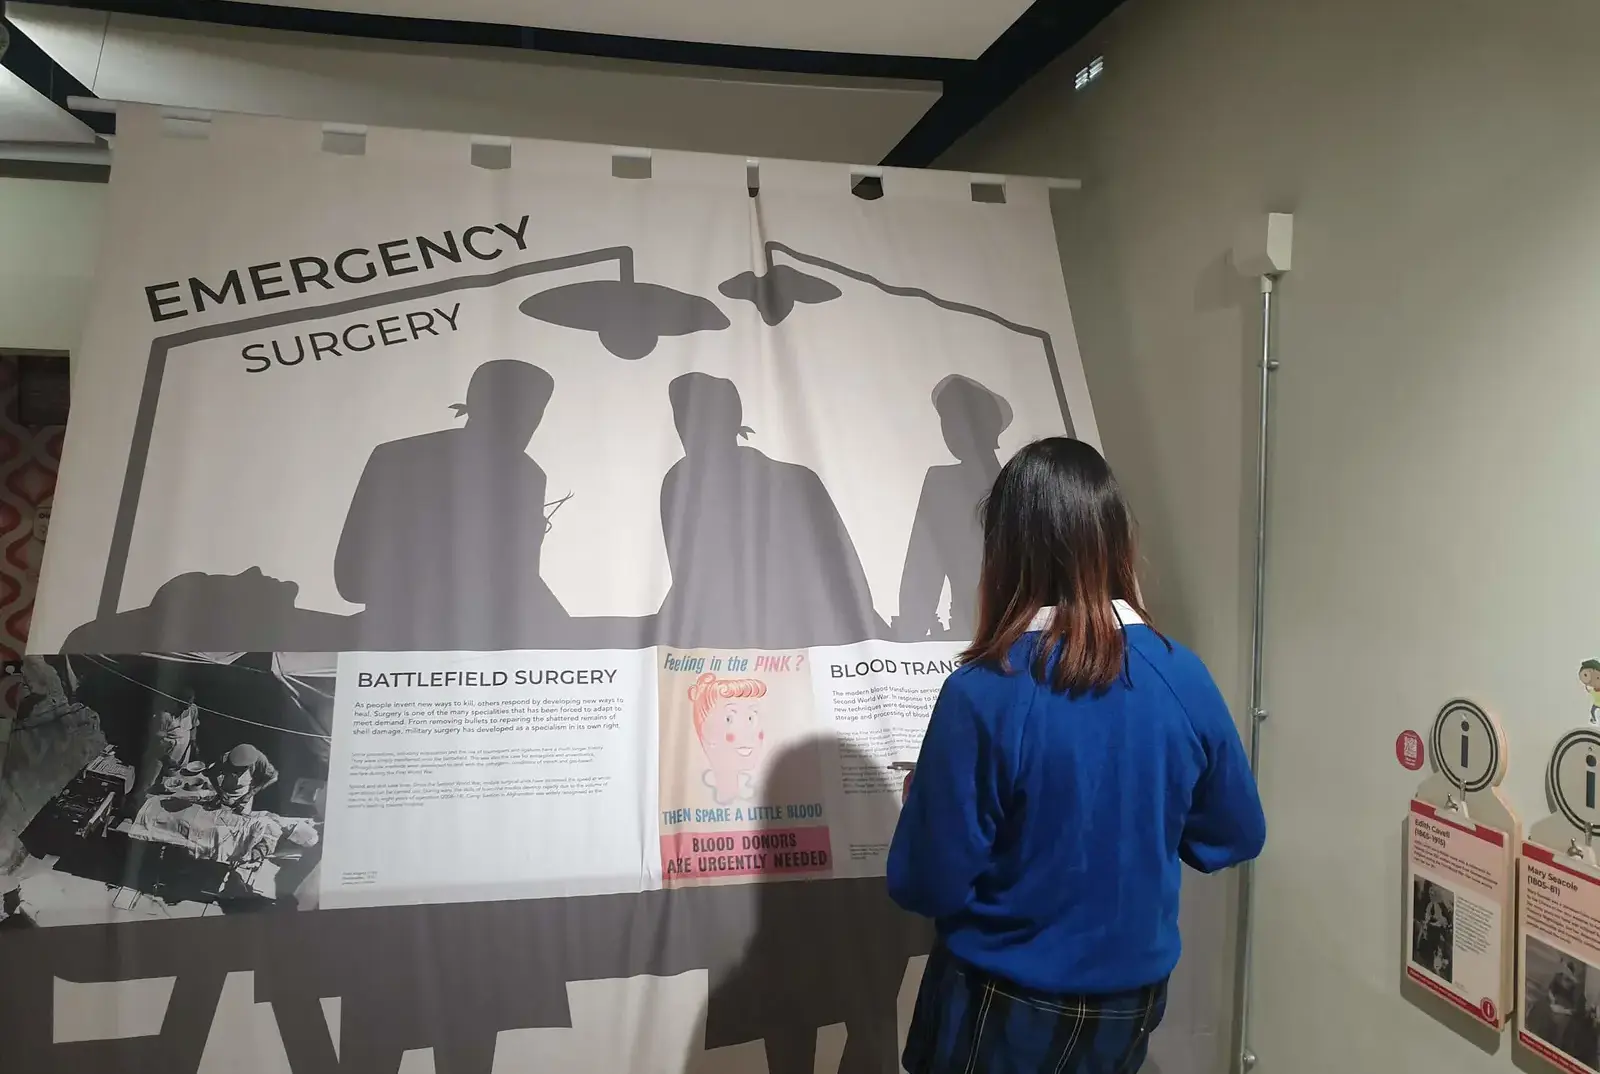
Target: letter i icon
column 1465, row 727
column 1588, row 782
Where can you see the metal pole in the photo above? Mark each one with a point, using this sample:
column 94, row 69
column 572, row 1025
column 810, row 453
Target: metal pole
column 1258, row 714
column 1269, row 365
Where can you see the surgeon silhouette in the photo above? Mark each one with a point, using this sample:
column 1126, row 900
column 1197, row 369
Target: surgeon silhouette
column 442, row 539
column 946, row 538
column 759, row 555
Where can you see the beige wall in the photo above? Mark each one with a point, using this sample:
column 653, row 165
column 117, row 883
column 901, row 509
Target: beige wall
column 1436, row 510
column 49, row 239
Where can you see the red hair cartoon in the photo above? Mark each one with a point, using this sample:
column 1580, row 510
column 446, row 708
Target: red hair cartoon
column 727, row 720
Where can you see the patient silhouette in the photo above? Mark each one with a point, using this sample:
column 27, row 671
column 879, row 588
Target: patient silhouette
column 195, row 612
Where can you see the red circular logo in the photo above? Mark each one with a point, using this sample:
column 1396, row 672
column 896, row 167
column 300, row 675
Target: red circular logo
column 1488, row 1009
column 1408, row 750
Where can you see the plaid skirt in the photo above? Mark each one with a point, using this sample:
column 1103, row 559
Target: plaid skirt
column 967, row 1022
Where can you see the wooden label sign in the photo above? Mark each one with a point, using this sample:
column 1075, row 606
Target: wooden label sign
column 1558, row 912
column 1460, row 845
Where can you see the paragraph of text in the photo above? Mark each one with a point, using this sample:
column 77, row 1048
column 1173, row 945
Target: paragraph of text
column 485, row 716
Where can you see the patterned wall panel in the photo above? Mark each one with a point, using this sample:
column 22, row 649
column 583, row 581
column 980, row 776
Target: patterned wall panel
column 29, row 459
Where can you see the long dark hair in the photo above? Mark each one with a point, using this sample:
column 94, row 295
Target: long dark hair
column 1057, row 534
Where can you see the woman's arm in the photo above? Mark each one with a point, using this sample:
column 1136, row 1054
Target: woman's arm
column 942, row 843
column 1226, row 825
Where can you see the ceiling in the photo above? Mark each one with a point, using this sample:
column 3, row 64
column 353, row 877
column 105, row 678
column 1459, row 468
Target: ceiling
column 891, row 81
column 26, row 115
column 957, row 29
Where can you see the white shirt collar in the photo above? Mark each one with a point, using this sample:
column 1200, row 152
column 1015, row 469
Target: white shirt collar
column 1125, row 615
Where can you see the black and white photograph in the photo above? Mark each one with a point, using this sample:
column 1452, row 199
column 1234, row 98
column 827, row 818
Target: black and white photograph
column 1562, row 1001
column 1433, row 928
column 160, row 786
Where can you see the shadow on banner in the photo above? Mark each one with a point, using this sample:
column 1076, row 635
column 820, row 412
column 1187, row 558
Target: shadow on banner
column 820, row 953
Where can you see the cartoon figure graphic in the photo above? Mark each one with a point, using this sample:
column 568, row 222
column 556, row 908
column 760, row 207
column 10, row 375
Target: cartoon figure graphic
column 1589, row 676
column 428, row 505
column 946, row 539
column 760, row 557
column 727, row 720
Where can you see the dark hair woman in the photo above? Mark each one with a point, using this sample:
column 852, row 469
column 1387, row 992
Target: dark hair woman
column 1071, row 763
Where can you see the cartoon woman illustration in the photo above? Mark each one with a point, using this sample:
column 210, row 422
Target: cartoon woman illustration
column 727, row 720
column 1589, row 676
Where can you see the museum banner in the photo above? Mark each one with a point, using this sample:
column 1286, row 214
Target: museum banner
column 488, row 587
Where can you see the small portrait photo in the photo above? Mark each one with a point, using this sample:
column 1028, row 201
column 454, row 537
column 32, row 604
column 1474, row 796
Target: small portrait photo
column 1562, row 993
column 1433, row 928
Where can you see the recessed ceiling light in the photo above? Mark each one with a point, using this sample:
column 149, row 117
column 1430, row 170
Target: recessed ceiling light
column 1089, row 73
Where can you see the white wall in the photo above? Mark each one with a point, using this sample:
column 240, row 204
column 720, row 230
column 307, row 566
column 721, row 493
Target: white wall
column 49, row 239
column 1436, row 510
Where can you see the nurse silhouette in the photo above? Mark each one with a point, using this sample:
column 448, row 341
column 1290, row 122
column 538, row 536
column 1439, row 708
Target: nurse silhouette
column 759, row 555
column 946, row 535
column 443, row 536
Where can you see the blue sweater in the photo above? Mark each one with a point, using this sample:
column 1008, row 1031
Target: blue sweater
column 1043, row 834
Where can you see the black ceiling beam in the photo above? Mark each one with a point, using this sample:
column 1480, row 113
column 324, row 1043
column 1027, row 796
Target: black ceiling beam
column 55, row 171
column 564, row 42
column 33, row 65
column 1043, row 32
